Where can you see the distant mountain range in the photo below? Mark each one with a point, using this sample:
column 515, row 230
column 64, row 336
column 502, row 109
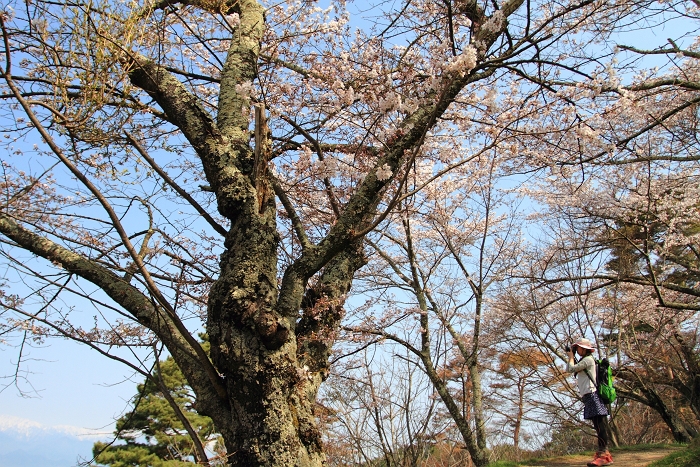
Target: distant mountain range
column 25, row 443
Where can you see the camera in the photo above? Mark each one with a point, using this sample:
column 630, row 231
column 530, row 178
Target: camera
column 567, row 348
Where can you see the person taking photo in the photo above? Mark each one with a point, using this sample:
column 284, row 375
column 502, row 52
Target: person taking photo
column 593, row 407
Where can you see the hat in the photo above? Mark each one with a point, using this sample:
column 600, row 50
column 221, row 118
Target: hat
column 583, row 343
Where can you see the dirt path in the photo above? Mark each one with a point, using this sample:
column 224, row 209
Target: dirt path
column 621, row 459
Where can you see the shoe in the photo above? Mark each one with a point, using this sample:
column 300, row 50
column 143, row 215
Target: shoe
column 596, row 460
column 600, row 459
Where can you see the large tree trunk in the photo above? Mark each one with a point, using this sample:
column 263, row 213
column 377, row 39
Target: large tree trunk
column 681, row 432
column 270, row 421
column 689, row 384
column 648, row 396
column 272, row 366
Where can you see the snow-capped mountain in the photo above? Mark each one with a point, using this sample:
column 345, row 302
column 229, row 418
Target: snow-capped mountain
column 26, row 443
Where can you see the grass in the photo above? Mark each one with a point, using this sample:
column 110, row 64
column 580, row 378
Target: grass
column 646, row 447
column 688, row 457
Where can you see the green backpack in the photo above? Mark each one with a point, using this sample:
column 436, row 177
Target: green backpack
column 604, row 381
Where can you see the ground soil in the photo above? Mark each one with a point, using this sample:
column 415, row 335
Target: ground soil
column 620, row 458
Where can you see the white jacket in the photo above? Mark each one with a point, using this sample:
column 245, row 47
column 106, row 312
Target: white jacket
column 585, row 384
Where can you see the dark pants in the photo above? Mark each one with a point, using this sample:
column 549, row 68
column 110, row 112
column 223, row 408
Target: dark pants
column 600, row 423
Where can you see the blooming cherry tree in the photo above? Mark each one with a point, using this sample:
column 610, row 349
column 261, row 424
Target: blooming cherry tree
column 178, row 164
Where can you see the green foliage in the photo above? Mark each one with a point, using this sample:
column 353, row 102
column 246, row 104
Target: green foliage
column 152, row 434
column 130, row 455
column 632, row 241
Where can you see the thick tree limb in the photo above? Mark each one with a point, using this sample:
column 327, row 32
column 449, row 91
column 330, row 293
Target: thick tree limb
column 358, row 216
column 144, row 310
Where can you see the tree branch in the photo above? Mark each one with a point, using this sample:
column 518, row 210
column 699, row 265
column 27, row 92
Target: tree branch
column 178, row 189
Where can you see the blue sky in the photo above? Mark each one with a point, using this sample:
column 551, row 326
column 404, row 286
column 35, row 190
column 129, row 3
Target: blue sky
column 77, row 391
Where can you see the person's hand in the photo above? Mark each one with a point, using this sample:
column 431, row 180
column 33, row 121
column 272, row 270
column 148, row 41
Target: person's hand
column 570, row 353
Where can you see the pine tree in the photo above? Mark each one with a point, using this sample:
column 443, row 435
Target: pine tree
column 153, row 433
